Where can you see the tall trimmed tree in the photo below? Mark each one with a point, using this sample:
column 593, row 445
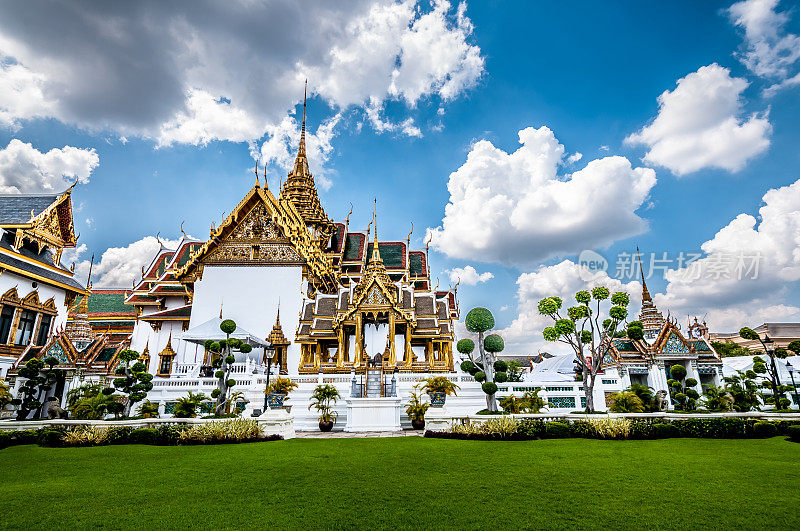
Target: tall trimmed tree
column 488, row 371
column 587, row 335
column 39, row 379
column 133, row 380
column 224, row 362
column 770, row 368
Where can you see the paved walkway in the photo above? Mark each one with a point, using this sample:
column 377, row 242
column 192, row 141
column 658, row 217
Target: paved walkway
column 363, row 434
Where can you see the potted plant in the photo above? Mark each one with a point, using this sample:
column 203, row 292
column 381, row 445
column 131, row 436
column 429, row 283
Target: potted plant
column 416, row 409
column 277, row 390
column 323, row 399
column 438, row 388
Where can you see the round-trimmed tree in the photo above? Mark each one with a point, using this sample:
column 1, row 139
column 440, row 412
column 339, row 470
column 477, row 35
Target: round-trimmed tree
column 224, row 362
column 133, row 380
column 479, row 321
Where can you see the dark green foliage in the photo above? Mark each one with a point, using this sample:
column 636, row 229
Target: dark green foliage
column 793, row 432
column 557, row 430
column 726, row 349
column 489, row 388
column 479, row 320
column 500, row 377
column 39, row 378
column 144, row 436
column 678, row 372
column 765, row 429
column 228, row 326
column 480, row 376
column 467, row 365
column 465, row 346
column 532, row 428
column 664, row 430
column 500, row 366
column 50, row 438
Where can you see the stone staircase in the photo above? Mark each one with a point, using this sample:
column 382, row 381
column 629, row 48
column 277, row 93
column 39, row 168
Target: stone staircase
column 373, row 382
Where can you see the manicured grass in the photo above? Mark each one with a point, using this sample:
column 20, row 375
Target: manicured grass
column 406, row 482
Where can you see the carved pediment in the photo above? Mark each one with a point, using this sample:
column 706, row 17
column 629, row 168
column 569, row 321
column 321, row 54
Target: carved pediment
column 375, row 297
column 257, row 225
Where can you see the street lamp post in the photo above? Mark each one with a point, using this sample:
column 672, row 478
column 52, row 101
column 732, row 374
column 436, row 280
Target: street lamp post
column 269, row 353
column 790, row 368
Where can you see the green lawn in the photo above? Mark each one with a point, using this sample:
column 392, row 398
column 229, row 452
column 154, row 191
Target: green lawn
column 406, row 482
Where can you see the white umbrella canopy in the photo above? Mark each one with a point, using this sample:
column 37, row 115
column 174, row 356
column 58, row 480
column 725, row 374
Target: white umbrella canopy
column 210, row 330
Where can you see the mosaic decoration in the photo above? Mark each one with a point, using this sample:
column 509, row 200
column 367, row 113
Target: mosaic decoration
column 562, row 401
column 169, row 408
column 58, row 353
column 674, row 345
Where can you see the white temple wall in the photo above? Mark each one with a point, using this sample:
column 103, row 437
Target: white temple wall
column 250, row 296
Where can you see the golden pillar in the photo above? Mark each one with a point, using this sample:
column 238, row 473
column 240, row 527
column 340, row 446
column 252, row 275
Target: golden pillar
column 359, row 341
column 409, row 353
column 392, row 355
column 341, row 348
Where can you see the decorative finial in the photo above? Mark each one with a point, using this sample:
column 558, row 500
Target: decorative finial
column 408, row 238
column 428, row 242
column 302, row 150
column 266, row 183
column 255, row 170
column 183, row 231
column 89, row 279
column 347, row 219
column 221, row 301
column 645, row 294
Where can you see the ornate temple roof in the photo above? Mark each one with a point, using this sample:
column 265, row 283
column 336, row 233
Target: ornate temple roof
column 276, row 336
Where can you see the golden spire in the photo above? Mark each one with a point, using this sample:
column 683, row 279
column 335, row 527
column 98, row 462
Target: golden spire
column 645, row 294
column 300, row 189
column 376, row 254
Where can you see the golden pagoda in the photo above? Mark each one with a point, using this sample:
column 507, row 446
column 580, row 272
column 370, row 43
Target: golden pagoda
column 300, row 190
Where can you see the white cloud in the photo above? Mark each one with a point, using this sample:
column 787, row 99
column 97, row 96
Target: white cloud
column 22, row 95
column 117, row 267
column 192, row 76
column 770, row 52
column 24, row 169
column 699, row 125
column 575, row 157
column 207, row 118
column 382, row 125
column 524, row 335
column 468, row 275
column 514, row 208
column 747, row 270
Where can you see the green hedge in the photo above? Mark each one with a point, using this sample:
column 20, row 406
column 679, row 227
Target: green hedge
column 164, row 435
column 714, row 428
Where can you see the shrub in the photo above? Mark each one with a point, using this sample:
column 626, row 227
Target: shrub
column 5, row 440
column 557, row 430
column 663, row 430
column 489, row 388
column 169, row 435
column 601, row 428
column 531, row 428
column 480, row 376
column 144, row 436
column 234, row 430
column 501, row 377
column 500, row 366
column 467, row 365
column 625, row 402
column 50, row 438
column 765, row 429
column 792, row 431
column 87, row 436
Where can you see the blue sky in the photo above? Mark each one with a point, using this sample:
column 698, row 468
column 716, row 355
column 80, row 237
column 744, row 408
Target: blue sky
column 409, row 96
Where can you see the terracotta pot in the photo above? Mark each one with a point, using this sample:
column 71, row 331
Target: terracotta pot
column 438, row 398
column 275, row 400
column 325, row 425
column 417, row 424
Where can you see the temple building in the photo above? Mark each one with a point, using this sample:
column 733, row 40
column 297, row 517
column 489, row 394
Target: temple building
column 647, row 362
column 36, row 290
column 328, row 298
column 106, row 313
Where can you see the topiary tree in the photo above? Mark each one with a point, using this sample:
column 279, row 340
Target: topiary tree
column 133, row 383
column 743, row 388
column 681, row 388
column 770, row 369
column 224, row 362
column 39, row 379
column 487, row 370
column 586, row 334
